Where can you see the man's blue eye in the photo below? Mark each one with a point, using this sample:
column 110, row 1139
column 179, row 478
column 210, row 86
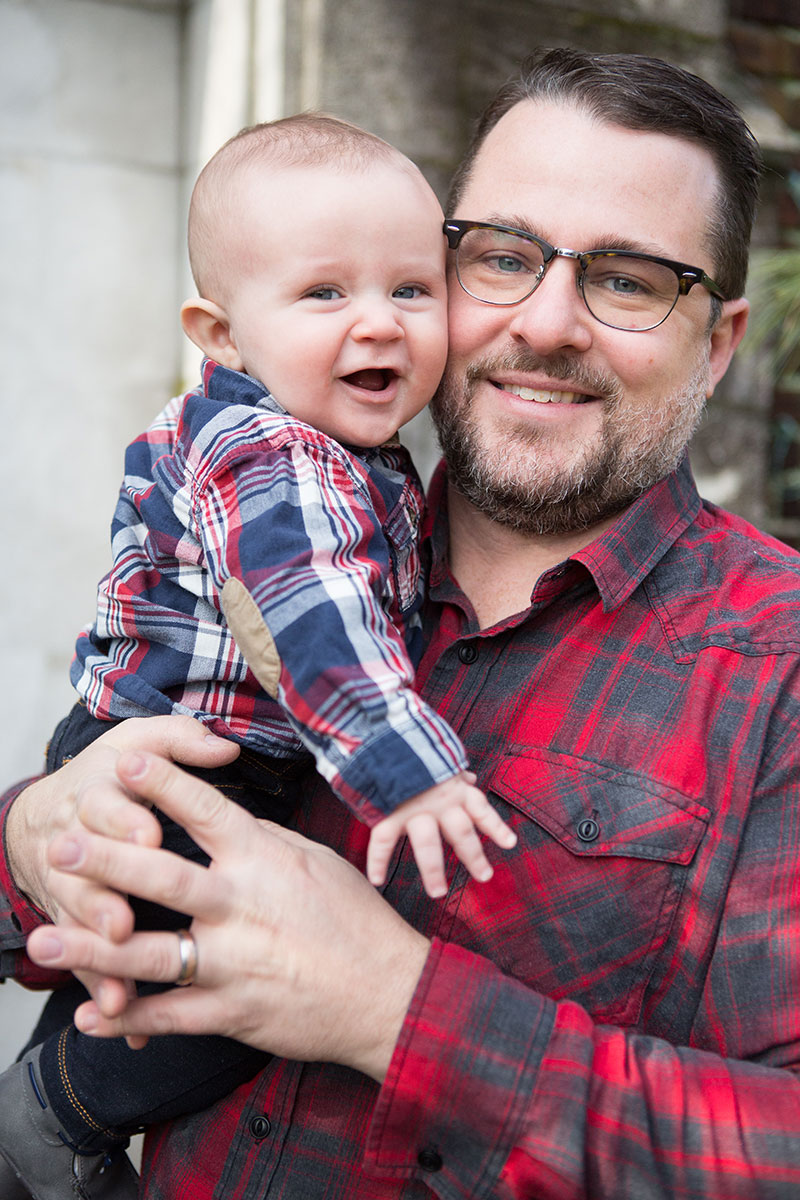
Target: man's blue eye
column 324, row 293
column 409, row 291
column 507, row 264
column 624, row 285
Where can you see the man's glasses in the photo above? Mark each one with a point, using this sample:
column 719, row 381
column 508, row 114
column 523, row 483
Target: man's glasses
column 500, row 265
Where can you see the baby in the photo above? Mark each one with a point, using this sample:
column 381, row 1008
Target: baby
column 267, row 578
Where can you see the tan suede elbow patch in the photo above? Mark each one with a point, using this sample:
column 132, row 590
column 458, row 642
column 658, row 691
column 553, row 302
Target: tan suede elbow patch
column 252, row 635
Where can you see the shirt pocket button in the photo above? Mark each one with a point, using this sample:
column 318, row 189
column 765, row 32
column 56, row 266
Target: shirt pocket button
column 430, row 1159
column 588, row 830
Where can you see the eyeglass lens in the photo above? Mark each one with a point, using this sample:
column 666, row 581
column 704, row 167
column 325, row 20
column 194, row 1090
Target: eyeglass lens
column 625, row 292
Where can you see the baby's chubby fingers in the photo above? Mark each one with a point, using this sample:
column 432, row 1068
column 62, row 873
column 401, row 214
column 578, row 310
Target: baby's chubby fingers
column 488, row 820
column 459, row 830
column 382, row 840
column 426, row 842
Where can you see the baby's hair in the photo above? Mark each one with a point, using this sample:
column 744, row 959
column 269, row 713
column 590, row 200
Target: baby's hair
column 308, row 139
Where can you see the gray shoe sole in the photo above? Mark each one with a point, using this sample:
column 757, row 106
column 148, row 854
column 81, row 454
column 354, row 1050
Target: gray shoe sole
column 11, row 1188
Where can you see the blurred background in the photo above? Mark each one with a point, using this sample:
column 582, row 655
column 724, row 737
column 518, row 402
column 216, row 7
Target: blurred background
column 108, row 109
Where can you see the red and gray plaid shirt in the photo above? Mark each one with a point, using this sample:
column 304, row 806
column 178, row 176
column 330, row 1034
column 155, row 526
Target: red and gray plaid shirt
column 616, row 1013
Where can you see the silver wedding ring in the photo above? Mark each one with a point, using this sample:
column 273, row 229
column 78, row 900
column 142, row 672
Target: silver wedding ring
column 187, row 948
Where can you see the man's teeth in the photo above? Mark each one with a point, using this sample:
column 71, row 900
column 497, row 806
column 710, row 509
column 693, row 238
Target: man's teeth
column 539, row 397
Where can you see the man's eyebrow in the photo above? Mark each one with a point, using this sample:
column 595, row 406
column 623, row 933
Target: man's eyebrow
column 607, row 242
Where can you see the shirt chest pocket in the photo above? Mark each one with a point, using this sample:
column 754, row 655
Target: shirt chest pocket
column 603, row 859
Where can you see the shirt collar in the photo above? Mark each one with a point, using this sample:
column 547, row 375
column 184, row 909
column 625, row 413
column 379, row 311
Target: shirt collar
column 622, row 557
column 234, row 387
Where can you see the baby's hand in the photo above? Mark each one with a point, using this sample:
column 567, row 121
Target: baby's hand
column 455, row 808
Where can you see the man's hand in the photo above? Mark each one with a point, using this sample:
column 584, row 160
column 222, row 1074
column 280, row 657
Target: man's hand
column 297, row 953
column 89, row 786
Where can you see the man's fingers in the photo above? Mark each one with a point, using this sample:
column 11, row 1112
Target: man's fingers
column 215, row 823
column 104, row 805
column 180, row 1011
column 178, row 737
column 153, row 874
column 152, row 956
column 99, row 908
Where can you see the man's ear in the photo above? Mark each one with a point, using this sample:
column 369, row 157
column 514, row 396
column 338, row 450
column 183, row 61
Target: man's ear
column 725, row 337
column 207, row 325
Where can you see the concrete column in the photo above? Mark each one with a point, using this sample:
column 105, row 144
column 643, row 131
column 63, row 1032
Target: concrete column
column 89, row 179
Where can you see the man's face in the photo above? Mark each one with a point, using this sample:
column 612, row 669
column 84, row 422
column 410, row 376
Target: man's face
column 551, row 421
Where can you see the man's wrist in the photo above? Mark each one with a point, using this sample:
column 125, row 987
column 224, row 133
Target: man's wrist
column 401, row 980
column 20, row 843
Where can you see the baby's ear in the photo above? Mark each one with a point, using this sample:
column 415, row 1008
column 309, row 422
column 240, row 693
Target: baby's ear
column 207, row 325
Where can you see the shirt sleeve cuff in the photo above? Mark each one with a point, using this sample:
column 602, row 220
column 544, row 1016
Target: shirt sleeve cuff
column 460, row 1082
column 394, row 766
column 18, row 917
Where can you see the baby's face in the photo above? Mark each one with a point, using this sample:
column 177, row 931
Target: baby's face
column 340, row 304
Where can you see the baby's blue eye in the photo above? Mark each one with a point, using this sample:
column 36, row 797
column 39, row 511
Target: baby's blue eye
column 409, row 291
column 324, row 293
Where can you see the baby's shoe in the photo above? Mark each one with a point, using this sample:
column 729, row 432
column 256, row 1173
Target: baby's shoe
column 43, row 1165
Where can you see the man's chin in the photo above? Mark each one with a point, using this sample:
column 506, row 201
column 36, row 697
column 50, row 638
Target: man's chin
column 523, row 480
column 560, row 509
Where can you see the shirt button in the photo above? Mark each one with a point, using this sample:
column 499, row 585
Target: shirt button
column 467, row 652
column 260, row 1128
column 430, row 1159
column 588, row 830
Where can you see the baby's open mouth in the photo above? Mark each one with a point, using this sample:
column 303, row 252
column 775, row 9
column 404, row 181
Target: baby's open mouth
column 371, row 379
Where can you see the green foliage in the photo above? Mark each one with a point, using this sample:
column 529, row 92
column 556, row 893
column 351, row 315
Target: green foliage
column 783, row 485
column 775, row 321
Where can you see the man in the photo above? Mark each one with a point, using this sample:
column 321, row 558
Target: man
column 614, row 1014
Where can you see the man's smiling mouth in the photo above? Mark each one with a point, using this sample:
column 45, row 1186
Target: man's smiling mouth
column 540, row 396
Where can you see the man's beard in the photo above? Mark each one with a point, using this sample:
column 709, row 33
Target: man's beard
column 518, row 485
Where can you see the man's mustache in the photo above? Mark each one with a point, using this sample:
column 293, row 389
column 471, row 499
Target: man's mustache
column 562, row 367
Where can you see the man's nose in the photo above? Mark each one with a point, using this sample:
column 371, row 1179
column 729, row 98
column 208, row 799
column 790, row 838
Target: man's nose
column 554, row 317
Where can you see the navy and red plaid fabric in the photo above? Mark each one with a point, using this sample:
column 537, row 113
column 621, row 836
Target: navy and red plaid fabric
column 616, row 1013
column 226, row 485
